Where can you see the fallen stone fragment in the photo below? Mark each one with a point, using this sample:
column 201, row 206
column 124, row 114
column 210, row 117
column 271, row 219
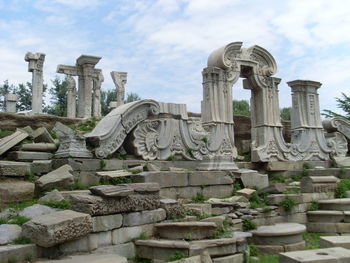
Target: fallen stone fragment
column 276, row 188
column 59, row 227
column 38, row 147
column 246, row 192
column 8, row 142
column 107, row 175
column 62, row 130
column 60, row 177
column 41, row 166
column 14, row 191
column 42, row 135
column 8, row 168
column 36, row 210
column 8, row 233
column 54, row 195
column 111, row 190
column 28, row 156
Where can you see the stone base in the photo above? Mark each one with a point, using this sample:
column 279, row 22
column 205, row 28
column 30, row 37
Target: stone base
column 274, row 249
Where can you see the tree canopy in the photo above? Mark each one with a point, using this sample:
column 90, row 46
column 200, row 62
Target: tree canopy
column 342, row 103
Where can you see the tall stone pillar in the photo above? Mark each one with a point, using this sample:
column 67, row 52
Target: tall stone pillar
column 97, row 95
column 36, row 63
column 10, row 102
column 120, row 79
column 71, row 97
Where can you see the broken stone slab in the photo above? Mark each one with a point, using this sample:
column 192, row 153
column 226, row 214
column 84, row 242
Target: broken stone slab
column 28, row 156
column 106, row 223
column 8, row 233
column 108, row 175
column 54, row 195
column 8, row 168
column 246, row 192
column 318, row 184
column 62, row 130
column 215, row 247
column 59, row 227
column 90, row 258
column 278, row 234
column 42, row 135
column 10, row 141
column 163, row 178
column 173, row 208
column 41, row 166
column 152, row 167
column 335, row 241
column 200, row 178
column 36, row 210
column 37, row 147
column 19, row 252
column 251, row 178
column 342, row 161
column 144, row 217
column 341, row 204
column 277, row 188
column 185, row 230
column 325, row 216
column 111, row 190
column 98, row 205
column 61, row 177
column 15, row 191
column 329, row 255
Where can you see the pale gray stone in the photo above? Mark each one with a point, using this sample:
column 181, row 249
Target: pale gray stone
column 277, row 188
column 106, row 223
column 90, row 258
column 38, row 147
column 251, row 179
column 86, row 243
column 59, row 227
column 41, row 166
column 127, row 234
column 62, row 130
column 336, row 254
column 319, row 184
column 215, row 247
column 335, row 241
column 36, row 210
column 107, row 175
column 163, row 178
column 219, row 191
column 111, row 190
column 28, row 156
column 201, row 209
column 246, row 192
column 126, row 250
column 325, row 216
column 209, row 178
column 218, row 220
column 73, row 146
column 119, row 79
column 237, row 258
column 185, row 230
column 8, row 233
column 42, row 135
column 342, row 204
column 60, row 177
column 8, row 142
column 342, row 161
column 102, row 238
column 20, row 252
column 144, row 217
column 12, row 191
column 8, row 168
column 10, row 102
column 152, row 167
column 54, row 195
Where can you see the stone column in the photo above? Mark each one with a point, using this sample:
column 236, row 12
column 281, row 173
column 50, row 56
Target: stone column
column 87, row 73
column 36, row 63
column 71, row 97
column 119, row 79
column 97, row 95
column 305, row 104
column 10, row 102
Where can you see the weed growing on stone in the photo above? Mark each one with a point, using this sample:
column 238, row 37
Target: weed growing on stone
column 235, row 188
column 20, row 206
column 253, row 250
column 22, row 241
column 29, row 257
column 277, row 178
column 287, row 203
column 223, row 231
column 58, row 204
column 103, row 164
column 342, row 187
column 312, row 240
column 199, row 198
column 17, row 220
column 29, row 176
column 177, row 256
column 4, row 133
column 3, row 220
column 12, row 260
column 121, row 180
column 307, row 165
column 85, row 126
column 77, row 186
column 256, row 201
column 142, row 236
column 314, row 206
column 248, row 225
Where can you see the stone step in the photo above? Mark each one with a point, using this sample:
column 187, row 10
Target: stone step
column 327, row 216
column 8, row 168
column 162, row 249
column 88, row 258
column 329, row 228
column 185, row 230
column 335, row 241
column 341, row 204
column 318, row 184
column 330, row 255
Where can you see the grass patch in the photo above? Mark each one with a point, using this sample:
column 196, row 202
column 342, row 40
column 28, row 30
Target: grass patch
column 253, row 250
column 171, row 158
column 287, row 203
column 22, row 241
column 20, row 206
column 199, row 198
column 138, row 259
column 256, row 201
column 277, row 178
column 248, row 225
column 85, row 126
column 223, row 231
column 342, row 187
column 4, row 133
column 307, row 165
column 312, row 240
column 142, row 236
column 30, row 177
column 103, row 164
column 17, row 220
column 177, row 256
column 266, row 259
column 12, row 260
column 236, row 187
column 58, row 204
column 314, row 206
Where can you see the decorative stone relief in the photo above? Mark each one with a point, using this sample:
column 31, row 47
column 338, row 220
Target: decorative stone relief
column 339, row 124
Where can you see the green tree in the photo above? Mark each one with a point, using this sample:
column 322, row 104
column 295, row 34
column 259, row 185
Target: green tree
column 106, row 98
column 342, row 103
column 285, row 113
column 130, row 97
column 241, row 107
column 24, row 96
column 58, row 99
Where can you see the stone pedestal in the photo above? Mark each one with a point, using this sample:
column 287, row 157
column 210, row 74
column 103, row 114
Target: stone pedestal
column 72, row 147
column 10, row 102
column 36, row 63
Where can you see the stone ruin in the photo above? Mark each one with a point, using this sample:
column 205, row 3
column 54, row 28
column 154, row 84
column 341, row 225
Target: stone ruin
column 181, row 194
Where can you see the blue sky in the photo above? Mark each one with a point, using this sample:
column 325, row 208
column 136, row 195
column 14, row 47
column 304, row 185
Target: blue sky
column 164, row 44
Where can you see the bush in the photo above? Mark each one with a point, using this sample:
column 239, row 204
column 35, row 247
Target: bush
column 199, row 198
column 287, row 203
column 177, row 256
column 314, row 206
column 342, row 187
column 248, row 225
column 58, row 204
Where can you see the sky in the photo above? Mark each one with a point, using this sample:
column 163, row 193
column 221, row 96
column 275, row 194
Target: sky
column 164, row 44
